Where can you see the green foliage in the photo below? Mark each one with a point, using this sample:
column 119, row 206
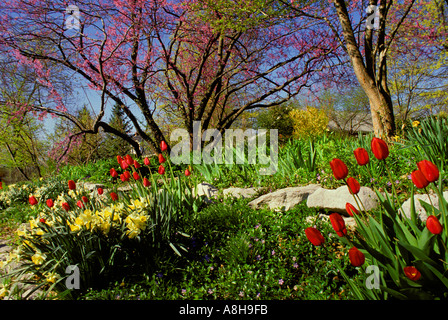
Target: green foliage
column 277, row 118
column 430, row 138
column 114, row 145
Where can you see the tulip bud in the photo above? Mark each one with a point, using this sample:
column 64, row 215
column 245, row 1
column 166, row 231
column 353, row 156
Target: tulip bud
column 136, row 164
column 42, row 220
column 412, row 273
column 351, row 210
column 146, row 161
column 66, row 206
column 339, row 169
column 32, row 200
column 113, row 173
column 419, row 179
column 357, row 258
column 114, row 196
column 135, row 175
column 338, row 224
column 314, row 236
column 129, row 160
column 146, row 182
column 361, row 155
column 85, row 199
column 100, row 191
column 80, row 204
column 433, row 225
column 161, row 169
column 163, row 146
column 187, row 172
column 161, row 158
column 429, row 170
column 353, row 185
column 379, row 148
column 71, row 185
column 50, row 203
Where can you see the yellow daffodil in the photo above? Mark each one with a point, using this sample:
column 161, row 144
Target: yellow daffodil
column 415, row 123
column 52, row 277
column 38, row 258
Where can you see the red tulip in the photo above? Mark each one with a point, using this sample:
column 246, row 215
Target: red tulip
column 113, row 173
column 146, row 182
column 146, row 161
column 357, row 258
column 129, row 160
column 419, row 179
column 32, row 200
column 50, row 203
column 1, row 185
column 161, row 169
column 42, row 220
column 163, row 146
column 339, row 169
column 124, row 164
column 119, row 160
column 314, row 236
column 187, row 172
column 80, row 204
column 429, row 170
column 66, row 206
column 135, row 175
column 351, row 210
column 433, row 225
column 85, row 199
column 71, row 185
column 379, row 148
column 361, row 155
column 338, row 224
column 353, row 185
column 161, row 158
column 412, row 273
column 136, row 164
column 100, row 191
column 114, row 196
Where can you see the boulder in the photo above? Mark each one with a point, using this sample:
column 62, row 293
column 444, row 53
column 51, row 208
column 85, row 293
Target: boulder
column 420, row 211
column 206, row 189
column 284, row 199
column 240, row 192
column 335, row 199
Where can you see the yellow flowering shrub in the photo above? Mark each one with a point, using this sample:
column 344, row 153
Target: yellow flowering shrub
column 309, row 122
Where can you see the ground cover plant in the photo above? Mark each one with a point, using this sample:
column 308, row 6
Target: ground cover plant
column 158, row 241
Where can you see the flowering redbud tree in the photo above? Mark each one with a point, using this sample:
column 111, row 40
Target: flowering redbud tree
column 158, row 57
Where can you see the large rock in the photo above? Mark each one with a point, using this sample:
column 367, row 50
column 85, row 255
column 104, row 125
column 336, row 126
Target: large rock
column 420, row 211
column 206, row 189
column 284, row 199
column 335, row 200
column 241, row 192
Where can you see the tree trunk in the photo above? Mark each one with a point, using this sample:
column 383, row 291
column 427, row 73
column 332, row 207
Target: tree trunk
column 372, row 81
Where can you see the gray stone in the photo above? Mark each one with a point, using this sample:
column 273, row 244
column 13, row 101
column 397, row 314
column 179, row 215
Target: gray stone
column 419, row 210
column 335, row 200
column 284, row 199
column 241, row 192
column 207, row 190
